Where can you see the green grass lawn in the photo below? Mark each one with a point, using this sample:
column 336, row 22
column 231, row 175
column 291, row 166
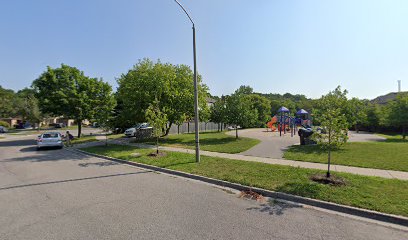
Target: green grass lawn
column 209, row 141
column 385, row 195
column 116, row 136
column 393, row 137
column 389, row 155
column 84, row 139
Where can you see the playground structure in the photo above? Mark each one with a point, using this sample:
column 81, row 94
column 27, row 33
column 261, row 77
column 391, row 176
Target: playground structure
column 284, row 122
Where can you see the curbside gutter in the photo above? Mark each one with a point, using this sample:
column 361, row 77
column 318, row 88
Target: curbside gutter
column 370, row 214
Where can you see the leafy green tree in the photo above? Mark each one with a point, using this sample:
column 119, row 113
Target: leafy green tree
column 245, row 90
column 4, row 124
column 180, row 122
column 333, row 121
column 157, row 118
column 172, row 85
column 263, row 107
column 398, row 113
column 66, row 91
column 218, row 112
column 373, row 116
column 239, row 111
column 7, row 103
column 205, row 115
column 356, row 112
column 27, row 106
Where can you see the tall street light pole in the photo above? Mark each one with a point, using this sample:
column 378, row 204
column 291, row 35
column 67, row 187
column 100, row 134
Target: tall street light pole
column 196, row 118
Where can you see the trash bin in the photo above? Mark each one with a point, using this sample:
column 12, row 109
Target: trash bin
column 304, row 135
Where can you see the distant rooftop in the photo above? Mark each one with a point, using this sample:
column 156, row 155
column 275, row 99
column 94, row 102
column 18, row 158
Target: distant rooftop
column 386, row 98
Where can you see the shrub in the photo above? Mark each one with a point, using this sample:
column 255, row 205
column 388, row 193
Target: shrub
column 4, row 124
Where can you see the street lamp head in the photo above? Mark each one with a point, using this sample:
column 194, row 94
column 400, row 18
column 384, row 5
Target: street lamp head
column 185, row 11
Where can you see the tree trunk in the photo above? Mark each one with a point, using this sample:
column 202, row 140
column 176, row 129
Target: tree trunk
column 188, row 127
column 205, row 127
column 356, row 127
column 328, row 164
column 79, row 122
column 157, row 145
column 167, row 130
column 178, row 129
column 404, row 134
column 236, row 132
column 329, row 156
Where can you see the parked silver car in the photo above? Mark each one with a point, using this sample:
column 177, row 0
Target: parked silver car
column 50, row 139
column 3, row 129
column 131, row 132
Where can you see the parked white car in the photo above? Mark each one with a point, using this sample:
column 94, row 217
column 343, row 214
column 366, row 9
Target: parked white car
column 50, row 139
column 233, row 128
column 131, row 132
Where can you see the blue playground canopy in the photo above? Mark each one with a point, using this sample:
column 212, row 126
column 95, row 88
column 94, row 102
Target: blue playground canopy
column 302, row 112
column 283, row 109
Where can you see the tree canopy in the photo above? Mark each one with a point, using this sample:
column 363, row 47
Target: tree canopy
column 239, row 110
column 7, row 103
column 66, row 91
column 172, row 85
column 398, row 113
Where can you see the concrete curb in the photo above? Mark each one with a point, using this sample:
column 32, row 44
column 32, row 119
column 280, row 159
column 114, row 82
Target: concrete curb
column 389, row 218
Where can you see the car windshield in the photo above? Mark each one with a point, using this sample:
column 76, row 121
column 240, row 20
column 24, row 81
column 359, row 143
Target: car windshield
column 136, row 126
column 50, row 135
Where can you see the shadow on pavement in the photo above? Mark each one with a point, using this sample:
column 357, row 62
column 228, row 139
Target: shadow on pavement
column 273, row 207
column 72, row 180
column 17, row 142
column 99, row 164
column 46, row 155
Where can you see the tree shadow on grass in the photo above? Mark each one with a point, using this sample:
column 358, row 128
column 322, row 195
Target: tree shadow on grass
column 274, row 207
column 189, row 142
column 395, row 140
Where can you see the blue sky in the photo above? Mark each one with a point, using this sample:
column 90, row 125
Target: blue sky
column 306, row 47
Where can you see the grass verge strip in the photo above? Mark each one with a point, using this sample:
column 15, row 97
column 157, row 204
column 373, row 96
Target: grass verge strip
column 380, row 155
column 379, row 194
column 209, row 141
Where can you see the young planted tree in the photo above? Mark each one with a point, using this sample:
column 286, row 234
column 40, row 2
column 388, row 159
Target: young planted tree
column 157, row 118
column 217, row 112
column 204, row 116
column 239, row 111
column 333, row 122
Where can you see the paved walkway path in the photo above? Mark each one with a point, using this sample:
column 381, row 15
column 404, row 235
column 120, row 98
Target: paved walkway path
column 273, row 145
column 339, row 168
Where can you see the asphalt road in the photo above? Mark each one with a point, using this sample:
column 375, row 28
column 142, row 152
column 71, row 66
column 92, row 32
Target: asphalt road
column 58, row 194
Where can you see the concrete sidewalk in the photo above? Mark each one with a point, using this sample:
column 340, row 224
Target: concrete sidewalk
column 338, row 168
